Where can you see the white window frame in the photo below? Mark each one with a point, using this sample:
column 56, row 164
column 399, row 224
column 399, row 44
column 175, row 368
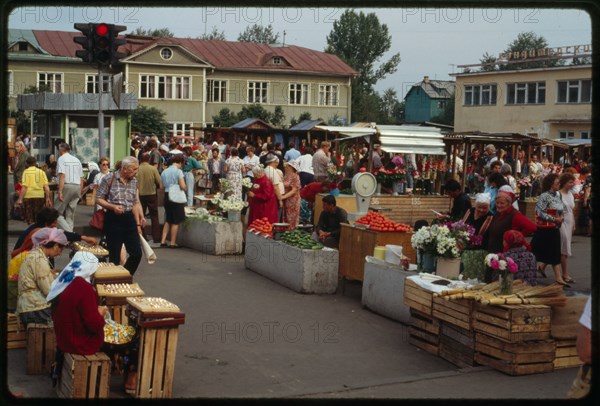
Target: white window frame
column 573, row 84
column 166, row 49
column 11, row 83
column 566, row 134
column 217, row 94
column 169, row 87
column 51, row 82
column 177, row 128
column 251, row 94
column 277, row 60
column 91, row 79
column 476, row 92
column 299, row 94
column 327, row 95
column 587, row 135
column 523, row 90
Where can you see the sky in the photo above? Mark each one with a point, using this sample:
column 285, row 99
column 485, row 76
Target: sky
column 431, row 42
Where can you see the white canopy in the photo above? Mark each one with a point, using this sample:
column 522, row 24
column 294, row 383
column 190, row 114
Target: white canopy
column 348, row 132
column 411, row 139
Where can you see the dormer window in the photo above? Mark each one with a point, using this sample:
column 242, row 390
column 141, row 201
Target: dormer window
column 166, row 53
column 277, row 60
column 23, row 46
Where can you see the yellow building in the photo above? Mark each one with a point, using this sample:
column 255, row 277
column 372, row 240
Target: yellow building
column 549, row 103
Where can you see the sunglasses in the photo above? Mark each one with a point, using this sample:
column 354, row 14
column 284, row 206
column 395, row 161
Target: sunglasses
column 104, row 164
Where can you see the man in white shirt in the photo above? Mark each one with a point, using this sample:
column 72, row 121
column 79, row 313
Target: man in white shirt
column 70, row 185
column 250, row 161
column 292, row 153
column 306, row 168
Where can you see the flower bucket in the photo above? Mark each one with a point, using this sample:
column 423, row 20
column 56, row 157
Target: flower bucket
column 426, row 262
column 334, row 192
column 506, row 281
column 234, row 215
column 448, row 267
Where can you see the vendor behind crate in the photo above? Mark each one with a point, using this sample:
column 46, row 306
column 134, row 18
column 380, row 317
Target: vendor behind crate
column 328, row 228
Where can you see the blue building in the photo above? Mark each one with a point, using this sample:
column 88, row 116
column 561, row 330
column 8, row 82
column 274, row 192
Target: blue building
column 427, row 99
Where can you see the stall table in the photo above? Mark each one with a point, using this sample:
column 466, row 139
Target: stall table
column 358, row 243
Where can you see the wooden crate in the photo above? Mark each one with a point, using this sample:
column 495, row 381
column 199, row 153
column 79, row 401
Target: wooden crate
column 357, row 243
column 16, row 333
column 566, row 354
column 41, row 348
column 424, row 332
column 513, row 323
column 455, row 312
column 565, row 319
column 418, row 298
column 517, row 358
column 84, row 377
column 457, row 345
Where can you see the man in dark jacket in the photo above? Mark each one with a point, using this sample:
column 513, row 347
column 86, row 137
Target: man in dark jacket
column 328, row 228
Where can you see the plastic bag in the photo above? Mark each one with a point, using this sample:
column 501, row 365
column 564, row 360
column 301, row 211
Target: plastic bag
column 117, row 333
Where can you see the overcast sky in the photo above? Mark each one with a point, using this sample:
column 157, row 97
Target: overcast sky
column 430, row 41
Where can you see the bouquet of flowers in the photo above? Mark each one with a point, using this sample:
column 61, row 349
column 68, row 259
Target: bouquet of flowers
column 446, row 240
column 505, row 267
column 383, row 177
column 334, row 175
column 524, row 182
column 397, row 175
column 247, row 183
column 228, row 204
column 225, row 185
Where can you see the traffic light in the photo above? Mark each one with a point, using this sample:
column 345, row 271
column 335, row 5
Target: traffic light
column 100, row 43
column 87, row 42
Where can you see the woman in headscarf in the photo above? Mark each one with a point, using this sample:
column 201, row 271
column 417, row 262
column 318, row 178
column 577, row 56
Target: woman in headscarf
column 291, row 197
column 262, row 200
column 480, row 218
column 516, row 248
column 549, row 212
column 81, row 326
column 36, row 275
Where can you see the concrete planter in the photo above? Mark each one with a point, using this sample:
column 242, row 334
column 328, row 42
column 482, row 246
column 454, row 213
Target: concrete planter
column 221, row 238
column 383, row 289
column 304, row 271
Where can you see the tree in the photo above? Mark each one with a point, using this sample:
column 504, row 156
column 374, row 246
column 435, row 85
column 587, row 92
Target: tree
column 214, row 35
column 225, row 118
column 525, row 42
column 157, row 32
column 254, row 111
column 23, row 120
column 278, row 117
column 490, row 62
column 149, row 120
column 304, row 116
column 391, row 109
column 258, row 33
column 367, row 107
column 360, row 40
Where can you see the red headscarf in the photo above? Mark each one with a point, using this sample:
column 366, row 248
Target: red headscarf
column 514, row 239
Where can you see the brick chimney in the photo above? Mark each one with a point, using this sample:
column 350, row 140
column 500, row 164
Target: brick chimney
column 426, row 79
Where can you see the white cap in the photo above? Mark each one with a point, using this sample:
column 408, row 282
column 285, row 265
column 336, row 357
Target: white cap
column 483, row 198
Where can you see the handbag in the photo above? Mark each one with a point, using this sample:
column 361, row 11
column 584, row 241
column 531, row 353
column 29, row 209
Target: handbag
column 176, row 195
column 97, row 220
column 540, row 223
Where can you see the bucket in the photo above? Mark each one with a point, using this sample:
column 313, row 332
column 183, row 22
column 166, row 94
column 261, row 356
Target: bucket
column 379, row 252
column 393, row 254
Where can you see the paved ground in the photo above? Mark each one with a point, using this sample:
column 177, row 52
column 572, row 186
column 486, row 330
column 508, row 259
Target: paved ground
column 248, row 337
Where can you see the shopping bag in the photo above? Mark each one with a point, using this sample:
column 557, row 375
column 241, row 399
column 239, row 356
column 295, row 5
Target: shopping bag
column 97, row 220
column 148, row 251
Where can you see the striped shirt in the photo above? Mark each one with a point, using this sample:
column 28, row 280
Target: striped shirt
column 120, row 193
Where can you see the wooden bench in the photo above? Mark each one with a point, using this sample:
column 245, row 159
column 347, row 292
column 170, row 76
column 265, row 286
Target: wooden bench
column 41, row 348
column 84, row 377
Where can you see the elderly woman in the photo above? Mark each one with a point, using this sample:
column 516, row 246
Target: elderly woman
column 262, row 198
column 291, row 197
column 80, row 325
column 549, row 212
column 480, row 217
column 174, row 212
column 36, row 276
column 516, row 248
column 506, row 218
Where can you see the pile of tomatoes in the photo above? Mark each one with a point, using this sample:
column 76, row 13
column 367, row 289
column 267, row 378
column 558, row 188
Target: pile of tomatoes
column 378, row 222
column 262, row 226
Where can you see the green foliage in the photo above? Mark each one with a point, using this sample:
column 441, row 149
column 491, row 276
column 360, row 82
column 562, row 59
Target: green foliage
column 527, row 41
column 278, row 117
column 254, row 111
column 361, row 40
column 23, row 121
column 304, row 116
column 225, row 118
column 365, row 105
column 157, row 32
column 488, row 59
column 149, row 120
column 447, row 116
column 214, row 35
column 258, row 33
column 391, row 109
column 34, row 89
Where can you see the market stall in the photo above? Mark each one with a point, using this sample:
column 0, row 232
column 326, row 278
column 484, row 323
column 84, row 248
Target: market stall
column 212, row 235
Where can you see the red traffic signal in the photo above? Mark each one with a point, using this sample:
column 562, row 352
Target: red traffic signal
column 101, row 29
column 100, row 44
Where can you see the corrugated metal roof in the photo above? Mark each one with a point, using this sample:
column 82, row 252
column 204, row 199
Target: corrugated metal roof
column 307, row 125
column 15, row 35
column 411, row 139
column 437, row 89
column 225, row 55
column 248, row 122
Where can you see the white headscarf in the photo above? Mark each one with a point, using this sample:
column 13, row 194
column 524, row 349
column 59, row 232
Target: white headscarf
column 483, row 198
column 93, row 166
column 47, row 235
column 83, row 264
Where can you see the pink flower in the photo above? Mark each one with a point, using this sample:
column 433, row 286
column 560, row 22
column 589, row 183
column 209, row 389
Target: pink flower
column 494, row 264
column 512, row 265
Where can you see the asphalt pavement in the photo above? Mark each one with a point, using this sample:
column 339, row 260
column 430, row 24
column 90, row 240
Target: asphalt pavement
column 245, row 336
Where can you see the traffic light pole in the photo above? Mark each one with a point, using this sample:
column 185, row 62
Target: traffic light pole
column 100, row 116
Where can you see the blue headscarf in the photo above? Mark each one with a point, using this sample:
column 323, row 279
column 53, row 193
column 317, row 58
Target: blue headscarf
column 83, row 264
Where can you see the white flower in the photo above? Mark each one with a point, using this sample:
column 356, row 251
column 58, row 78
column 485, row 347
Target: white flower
column 489, row 258
column 502, row 265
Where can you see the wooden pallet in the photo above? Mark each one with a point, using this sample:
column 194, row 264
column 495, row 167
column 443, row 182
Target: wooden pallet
column 457, row 345
column 456, row 312
column 516, row 358
column 566, row 354
column 41, row 348
column 418, row 298
column 513, row 323
column 16, row 333
column 84, row 376
column 424, row 332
